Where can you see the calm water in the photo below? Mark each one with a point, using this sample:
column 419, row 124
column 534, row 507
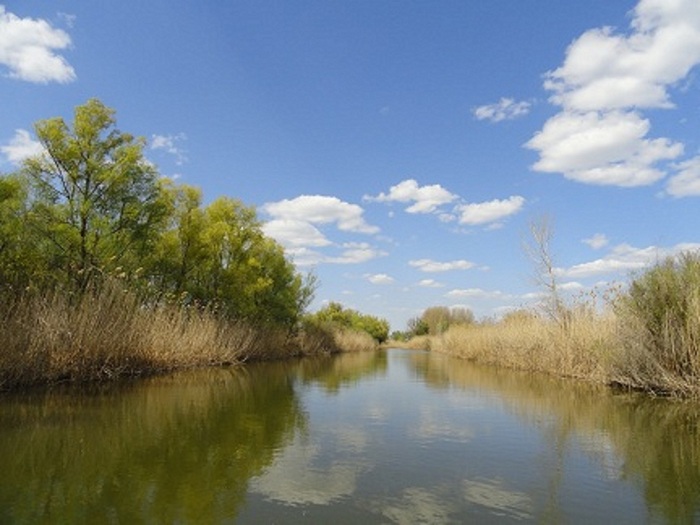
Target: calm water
column 386, row 437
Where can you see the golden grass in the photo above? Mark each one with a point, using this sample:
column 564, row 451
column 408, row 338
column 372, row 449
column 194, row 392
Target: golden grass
column 580, row 348
column 109, row 333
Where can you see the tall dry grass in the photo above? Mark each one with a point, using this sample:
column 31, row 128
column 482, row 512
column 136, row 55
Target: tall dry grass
column 108, row 333
column 580, row 348
column 647, row 337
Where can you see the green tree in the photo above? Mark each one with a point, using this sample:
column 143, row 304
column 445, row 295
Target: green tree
column 335, row 314
column 16, row 249
column 96, row 203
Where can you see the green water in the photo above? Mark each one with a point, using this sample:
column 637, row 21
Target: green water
column 385, row 437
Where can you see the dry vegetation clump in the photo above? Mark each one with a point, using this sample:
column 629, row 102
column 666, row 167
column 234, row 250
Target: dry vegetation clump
column 645, row 338
column 531, row 342
column 108, row 333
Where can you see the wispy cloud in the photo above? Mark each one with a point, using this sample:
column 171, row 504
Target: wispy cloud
column 27, row 49
column 624, row 259
column 21, row 147
column 597, row 241
column 477, row 293
column 430, row 283
column 686, row 181
column 607, row 78
column 428, row 265
column 504, row 109
column 169, row 144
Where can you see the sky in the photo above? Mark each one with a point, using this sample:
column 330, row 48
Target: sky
column 398, row 149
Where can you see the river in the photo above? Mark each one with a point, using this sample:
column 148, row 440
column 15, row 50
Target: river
column 379, row 437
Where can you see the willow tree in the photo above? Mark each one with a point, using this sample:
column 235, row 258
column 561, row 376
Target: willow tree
column 96, row 204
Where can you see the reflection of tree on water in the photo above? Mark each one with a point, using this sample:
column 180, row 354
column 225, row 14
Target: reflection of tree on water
column 656, row 441
column 334, row 372
column 178, row 449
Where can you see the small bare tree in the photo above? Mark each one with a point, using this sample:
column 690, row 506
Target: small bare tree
column 538, row 249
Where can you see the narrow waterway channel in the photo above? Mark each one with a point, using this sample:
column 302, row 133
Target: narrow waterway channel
column 384, row 437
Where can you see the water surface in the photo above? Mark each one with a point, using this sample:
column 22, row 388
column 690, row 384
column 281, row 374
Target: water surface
column 380, row 437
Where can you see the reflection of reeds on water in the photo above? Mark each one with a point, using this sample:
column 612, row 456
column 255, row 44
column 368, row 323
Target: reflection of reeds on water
column 167, row 449
column 656, row 441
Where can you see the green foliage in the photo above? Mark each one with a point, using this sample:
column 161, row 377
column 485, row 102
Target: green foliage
column 95, row 203
column 663, row 307
column 437, row 319
column 335, row 314
column 90, row 206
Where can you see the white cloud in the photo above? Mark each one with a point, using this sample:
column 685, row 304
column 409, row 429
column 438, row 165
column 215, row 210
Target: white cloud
column 625, row 258
column 597, row 241
column 355, row 253
column 21, row 147
column 426, row 199
column 27, row 49
column 604, row 70
column 476, row 293
column 295, row 233
column 430, row 283
column 169, row 144
column 686, row 182
column 491, row 211
column 319, row 209
column 428, row 265
column 599, row 136
column 602, row 148
column 504, row 109
column 293, row 225
column 379, row 278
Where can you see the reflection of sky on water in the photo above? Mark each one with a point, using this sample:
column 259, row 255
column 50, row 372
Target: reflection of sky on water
column 499, row 500
column 298, row 477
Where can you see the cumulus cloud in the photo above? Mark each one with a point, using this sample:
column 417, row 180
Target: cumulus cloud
column 379, row 278
column 20, row 147
column 169, row 144
column 597, row 241
column 319, row 209
column 606, row 79
column 295, row 233
column 489, row 212
column 504, row 109
column 429, row 199
column 428, row 265
column 27, row 49
column 294, row 225
column 425, row 199
column 607, row 148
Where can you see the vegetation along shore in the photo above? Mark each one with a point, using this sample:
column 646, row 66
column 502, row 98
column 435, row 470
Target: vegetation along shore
column 109, row 270
column 645, row 336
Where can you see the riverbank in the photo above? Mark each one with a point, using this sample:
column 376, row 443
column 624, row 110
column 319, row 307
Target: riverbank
column 110, row 334
column 646, row 337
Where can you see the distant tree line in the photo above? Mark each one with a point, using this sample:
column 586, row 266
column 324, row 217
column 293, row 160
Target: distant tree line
column 335, row 314
column 91, row 207
column 436, row 320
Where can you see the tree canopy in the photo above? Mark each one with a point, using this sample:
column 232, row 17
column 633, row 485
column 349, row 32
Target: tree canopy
column 90, row 206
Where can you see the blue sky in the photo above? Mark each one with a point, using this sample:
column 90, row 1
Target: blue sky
column 398, row 149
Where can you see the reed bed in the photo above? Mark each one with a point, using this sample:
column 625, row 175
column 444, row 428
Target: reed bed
column 646, row 337
column 109, row 333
